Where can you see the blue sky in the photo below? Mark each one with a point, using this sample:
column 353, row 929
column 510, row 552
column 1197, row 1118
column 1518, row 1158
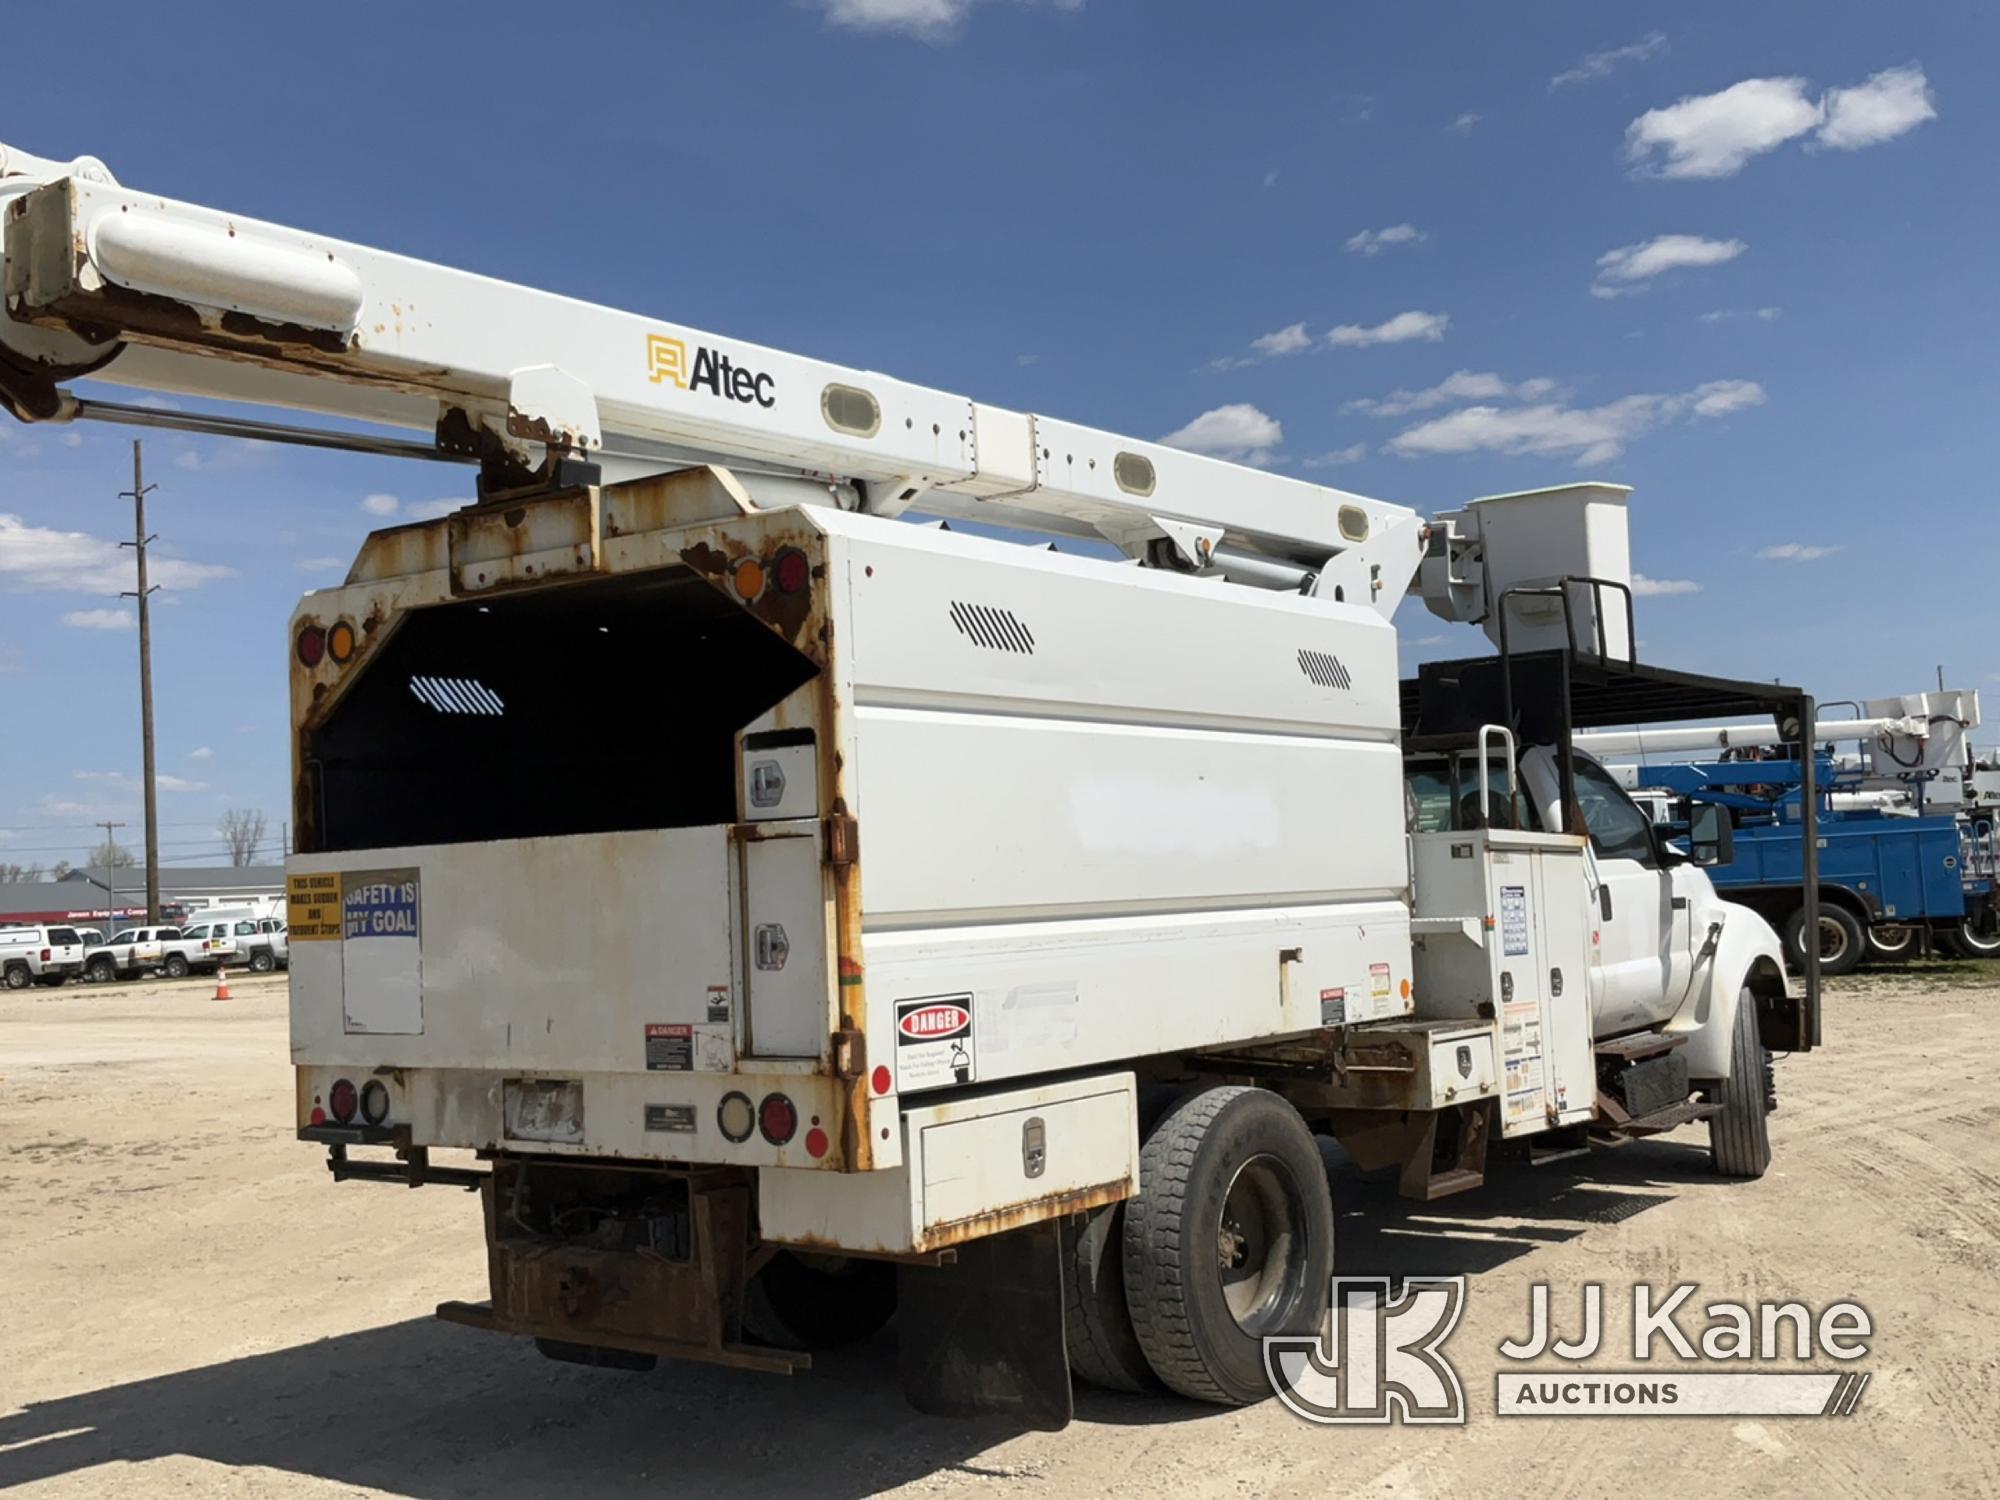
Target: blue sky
column 1736, row 256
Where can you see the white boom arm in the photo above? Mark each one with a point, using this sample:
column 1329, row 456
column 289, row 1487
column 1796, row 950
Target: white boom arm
column 1919, row 733
column 131, row 288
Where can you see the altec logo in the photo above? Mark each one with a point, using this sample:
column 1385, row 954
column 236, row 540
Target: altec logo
column 712, row 371
column 934, row 1021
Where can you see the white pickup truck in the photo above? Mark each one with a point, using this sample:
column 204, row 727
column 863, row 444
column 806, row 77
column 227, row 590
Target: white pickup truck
column 39, row 955
column 135, row 951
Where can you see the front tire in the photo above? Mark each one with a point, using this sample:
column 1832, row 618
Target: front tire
column 1841, row 939
column 1229, row 1241
column 1739, row 1138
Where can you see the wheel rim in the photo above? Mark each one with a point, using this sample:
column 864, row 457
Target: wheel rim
column 1981, row 932
column 1832, row 940
column 1260, row 1243
column 1891, row 937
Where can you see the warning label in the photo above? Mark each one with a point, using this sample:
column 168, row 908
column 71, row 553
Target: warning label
column 718, row 1002
column 669, row 1048
column 312, row 907
column 1378, row 981
column 1333, row 1007
column 678, row 1047
column 934, row 1047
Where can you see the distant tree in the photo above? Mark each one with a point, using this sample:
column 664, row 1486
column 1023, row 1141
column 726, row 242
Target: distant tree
column 60, row 870
column 242, row 829
column 12, row 873
column 113, row 855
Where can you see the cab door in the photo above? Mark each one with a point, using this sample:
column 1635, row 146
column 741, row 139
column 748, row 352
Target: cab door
column 1643, row 955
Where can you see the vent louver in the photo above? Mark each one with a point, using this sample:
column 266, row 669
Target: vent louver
column 1325, row 669
column 458, row 695
column 995, row 629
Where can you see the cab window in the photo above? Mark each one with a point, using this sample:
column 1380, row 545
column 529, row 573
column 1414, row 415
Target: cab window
column 1618, row 830
column 129, row 935
column 1438, row 805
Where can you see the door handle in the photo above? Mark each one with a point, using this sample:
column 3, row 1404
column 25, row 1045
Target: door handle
column 1604, row 902
column 1680, row 903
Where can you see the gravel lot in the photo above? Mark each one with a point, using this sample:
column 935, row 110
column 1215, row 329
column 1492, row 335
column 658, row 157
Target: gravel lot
column 190, row 1305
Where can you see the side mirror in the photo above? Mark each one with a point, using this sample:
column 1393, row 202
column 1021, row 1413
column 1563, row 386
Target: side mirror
column 1711, row 834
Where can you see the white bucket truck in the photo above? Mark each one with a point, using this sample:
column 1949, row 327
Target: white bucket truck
column 801, row 912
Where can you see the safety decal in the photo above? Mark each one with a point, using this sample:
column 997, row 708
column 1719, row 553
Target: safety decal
column 1333, row 1007
column 934, row 1042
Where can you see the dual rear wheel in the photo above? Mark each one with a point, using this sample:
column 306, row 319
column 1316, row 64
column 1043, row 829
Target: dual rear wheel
column 1230, row 1242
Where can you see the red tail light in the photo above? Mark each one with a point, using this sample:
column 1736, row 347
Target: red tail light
column 778, row 1118
column 343, row 1100
column 791, row 570
column 311, row 646
column 45, row 955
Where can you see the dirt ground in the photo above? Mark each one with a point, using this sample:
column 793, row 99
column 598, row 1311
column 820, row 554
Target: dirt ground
column 189, row 1304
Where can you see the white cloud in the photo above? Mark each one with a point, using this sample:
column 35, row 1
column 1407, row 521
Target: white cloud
column 124, row 781
column 927, row 20
column 1375, row 241
column 1715, row 135
column 1593, row 434
column 381, row 505
column 99, row 619
column 1464, row 123
column 1271, row 178
column 39, row 558
column 321, row 564
column 1460, row 385
column 1620, row 270
column 1237, row 431
column 1653, row 588
column 201, row 752
column 430, row 510
column 1400, row 329
column 1602, row 64
column 1892, row 103
column 1291, row 339
column 1795, row 552
column 1762, row 314
column 1352, row 454
column 168, row 783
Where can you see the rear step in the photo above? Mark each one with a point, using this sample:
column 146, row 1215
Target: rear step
column 1661, row 1121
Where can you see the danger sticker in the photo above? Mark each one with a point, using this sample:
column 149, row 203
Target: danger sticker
column 934, row 1043
column 1333, row 1007
column 669, row 1048
column 718, row 1002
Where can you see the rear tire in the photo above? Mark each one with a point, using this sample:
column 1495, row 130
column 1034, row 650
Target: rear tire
column 18, row 977
column 102, row 970
column 1976, row 935
column 1841, row 939
column 1891, row 942
column 1739, row 1138
column 810, row 1302
column 1229, row 1241
column 176, row 966
column 1097, row 1325
column 261, row 961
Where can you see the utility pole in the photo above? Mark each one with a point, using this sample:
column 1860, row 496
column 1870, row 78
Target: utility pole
column 110, row 894
column 144, row 596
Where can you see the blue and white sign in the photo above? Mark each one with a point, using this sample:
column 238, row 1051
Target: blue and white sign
column 382, row 952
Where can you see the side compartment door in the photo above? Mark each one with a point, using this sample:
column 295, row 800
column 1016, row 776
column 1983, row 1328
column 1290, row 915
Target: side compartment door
column 784, row 940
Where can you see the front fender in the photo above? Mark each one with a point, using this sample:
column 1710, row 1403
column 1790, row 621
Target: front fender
column 1747, row 952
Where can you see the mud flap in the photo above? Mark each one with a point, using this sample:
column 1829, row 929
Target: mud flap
column 984, row 1337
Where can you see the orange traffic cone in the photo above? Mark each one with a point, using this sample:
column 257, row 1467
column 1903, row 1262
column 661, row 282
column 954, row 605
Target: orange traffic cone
column 222, row 984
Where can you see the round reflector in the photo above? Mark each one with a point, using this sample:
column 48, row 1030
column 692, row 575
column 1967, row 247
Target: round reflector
column 374, row 1101
column 778, row 1118
column 791, row 571
column 749, row 578
column 340, row 642
column 816, row 1143
column 342, row 1100
column 880, row 1078
column 311, row 646
column 736, row 1117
